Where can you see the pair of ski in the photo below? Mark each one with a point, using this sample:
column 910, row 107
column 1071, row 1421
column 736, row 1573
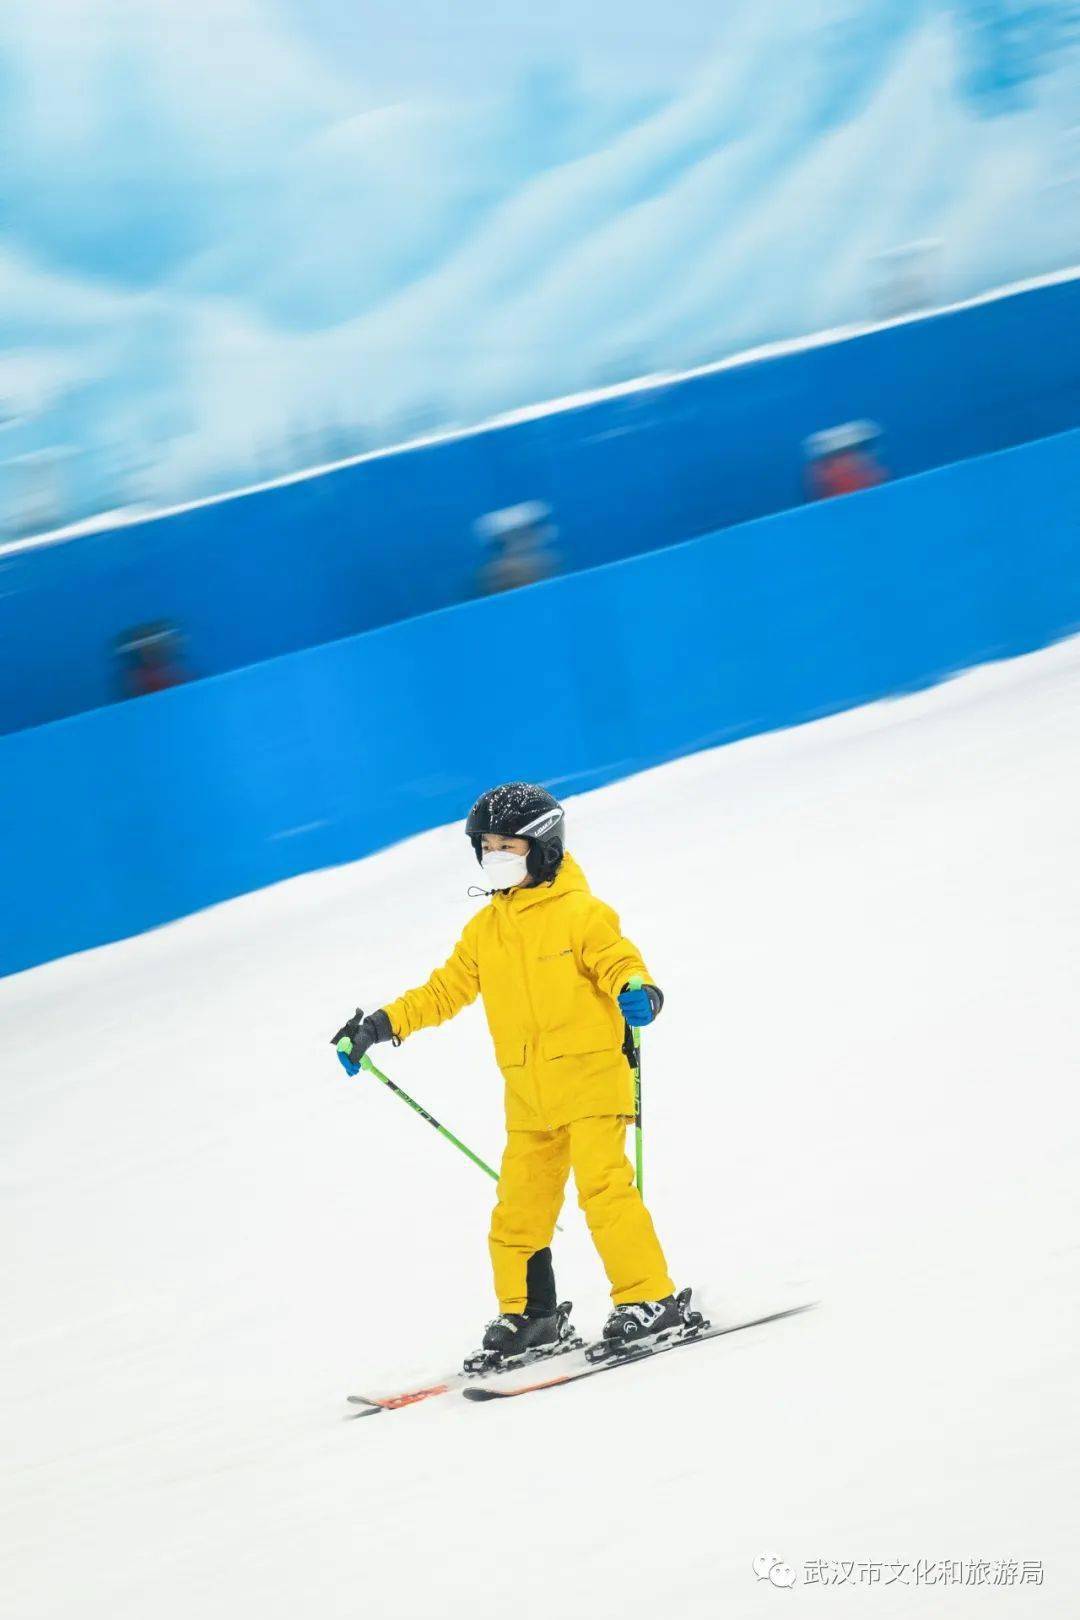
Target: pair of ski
column 529, row 1373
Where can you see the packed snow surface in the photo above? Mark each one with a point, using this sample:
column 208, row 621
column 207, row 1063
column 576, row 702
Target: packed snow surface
column 862, row 1091
column 240, row 236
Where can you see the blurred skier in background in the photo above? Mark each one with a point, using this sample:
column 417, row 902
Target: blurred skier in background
column 554, row 971
column 150, row 659
column 842, row 460
column 520, row 547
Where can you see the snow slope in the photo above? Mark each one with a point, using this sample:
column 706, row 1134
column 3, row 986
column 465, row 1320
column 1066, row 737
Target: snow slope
column 242, row 235
column 862, row 1090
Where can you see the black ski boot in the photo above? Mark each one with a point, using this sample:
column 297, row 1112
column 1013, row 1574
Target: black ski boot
column 648, row 1320
column 529, row 1335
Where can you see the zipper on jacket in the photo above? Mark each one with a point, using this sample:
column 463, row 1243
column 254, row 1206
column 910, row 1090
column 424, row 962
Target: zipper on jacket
column 528, row 988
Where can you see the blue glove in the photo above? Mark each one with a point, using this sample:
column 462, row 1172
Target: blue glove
column 640, row 1007
column 353, row 1038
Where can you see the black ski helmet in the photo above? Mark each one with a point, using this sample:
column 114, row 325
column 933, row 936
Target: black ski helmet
column 521, row 810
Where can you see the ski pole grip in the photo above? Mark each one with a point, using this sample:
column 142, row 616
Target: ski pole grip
column 344, row 1052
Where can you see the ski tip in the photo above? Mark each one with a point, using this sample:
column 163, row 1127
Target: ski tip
column 480, row 1394
column 391, row 1403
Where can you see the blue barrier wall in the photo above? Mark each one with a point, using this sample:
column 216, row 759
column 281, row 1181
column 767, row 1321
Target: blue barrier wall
column 310, row 561
column 120, row 819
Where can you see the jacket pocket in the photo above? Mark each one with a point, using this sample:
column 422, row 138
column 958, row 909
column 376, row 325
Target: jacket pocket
column 579, row 1042
column 510, row 1054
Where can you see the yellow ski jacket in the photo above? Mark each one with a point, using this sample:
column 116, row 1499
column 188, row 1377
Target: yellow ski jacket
column 549, row 963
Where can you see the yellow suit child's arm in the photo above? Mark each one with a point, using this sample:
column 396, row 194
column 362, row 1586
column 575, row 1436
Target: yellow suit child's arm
column 609, row 958
column 449, row 989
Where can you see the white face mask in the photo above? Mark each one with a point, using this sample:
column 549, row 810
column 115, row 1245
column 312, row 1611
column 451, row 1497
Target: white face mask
column 503, row 869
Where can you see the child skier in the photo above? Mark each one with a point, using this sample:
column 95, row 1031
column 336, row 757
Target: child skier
column 554, row 971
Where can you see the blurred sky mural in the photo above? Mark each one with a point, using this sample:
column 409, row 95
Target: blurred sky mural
column 240, row 236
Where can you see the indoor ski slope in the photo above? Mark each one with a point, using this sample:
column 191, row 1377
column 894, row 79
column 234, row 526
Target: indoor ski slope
column 862, row 1090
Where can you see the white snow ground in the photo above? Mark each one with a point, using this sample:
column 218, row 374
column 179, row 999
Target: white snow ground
column 862, row 1090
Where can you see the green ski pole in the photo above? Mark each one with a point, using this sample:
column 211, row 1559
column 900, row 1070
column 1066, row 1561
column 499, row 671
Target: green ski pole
column 635, row 984
column 345, row 1045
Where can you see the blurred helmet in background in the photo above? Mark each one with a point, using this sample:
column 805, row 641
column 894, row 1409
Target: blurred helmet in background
column 836, row 441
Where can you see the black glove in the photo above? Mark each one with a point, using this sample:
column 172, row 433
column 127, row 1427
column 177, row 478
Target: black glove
column 359, row 1034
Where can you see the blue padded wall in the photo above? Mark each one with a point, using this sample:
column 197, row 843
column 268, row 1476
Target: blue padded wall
column 315, row 559
column 119, row 819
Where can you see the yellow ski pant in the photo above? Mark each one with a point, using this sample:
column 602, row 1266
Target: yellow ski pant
column 535, row 1166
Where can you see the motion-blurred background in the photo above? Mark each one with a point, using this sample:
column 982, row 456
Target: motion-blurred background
column 240, row 237
column 399, row 397
column 320, row 319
